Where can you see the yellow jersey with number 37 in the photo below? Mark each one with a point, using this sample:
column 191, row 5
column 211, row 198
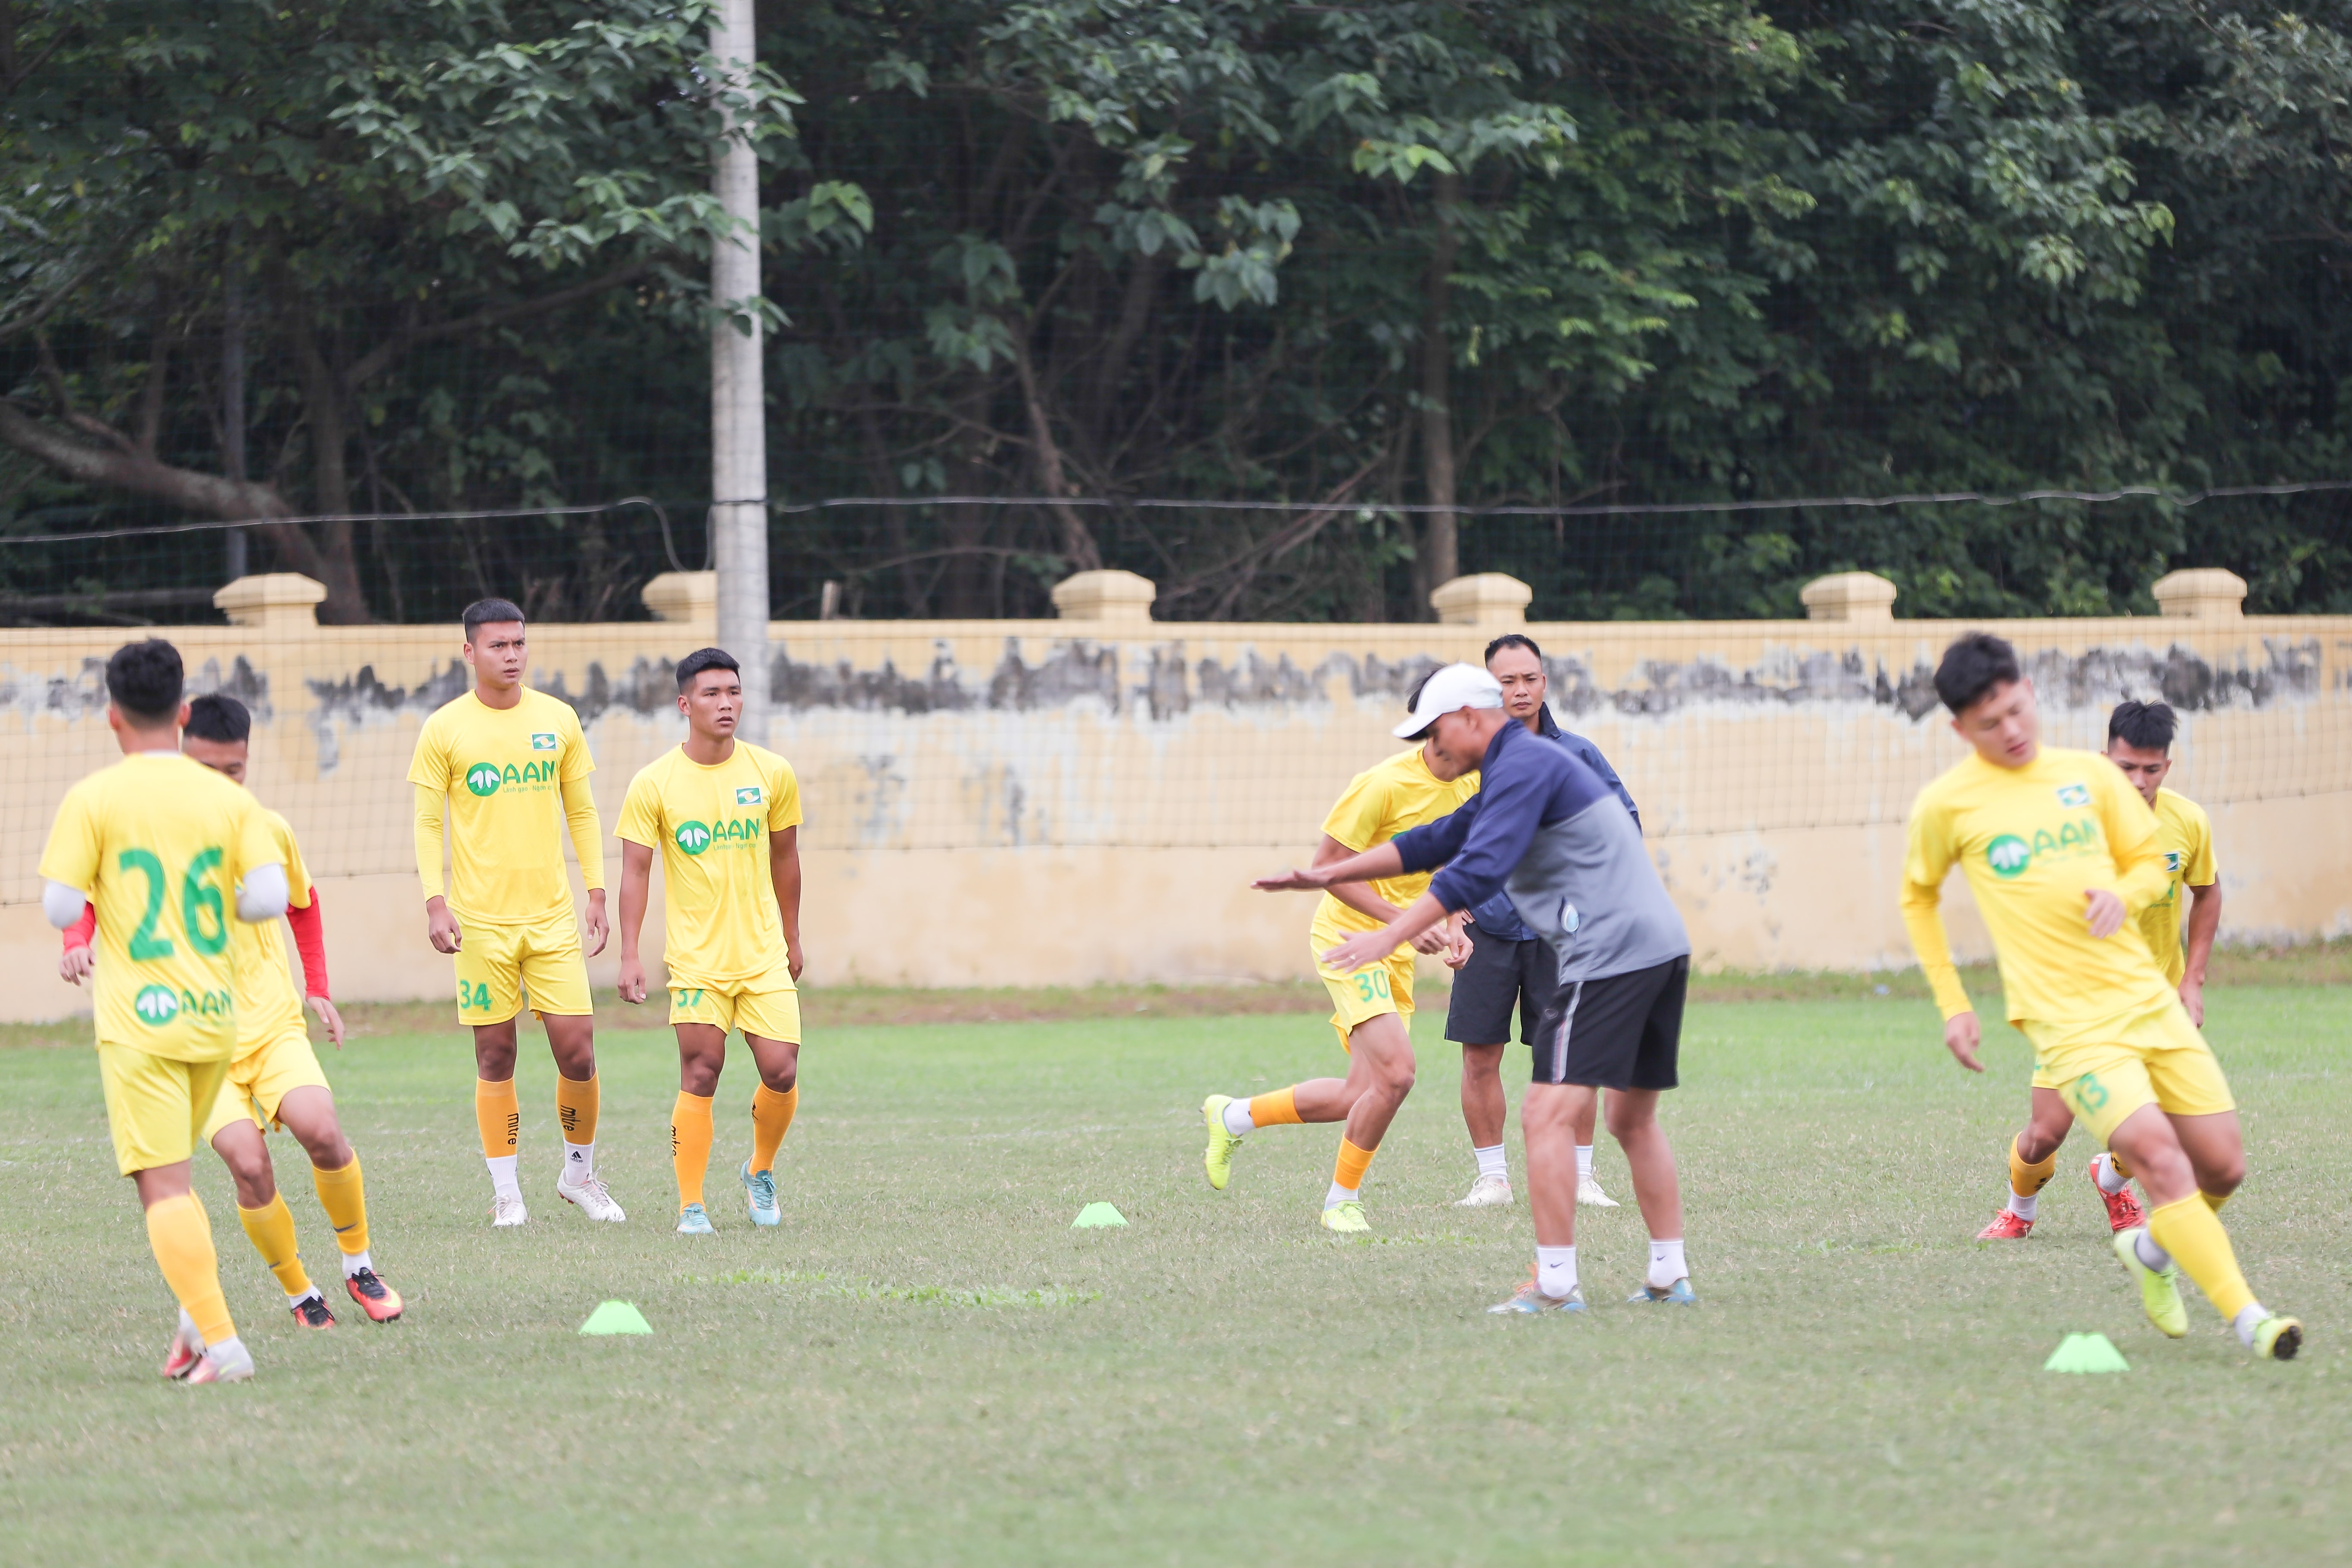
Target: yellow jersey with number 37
column 2185, row 835
column 713, row 827
column 159, row 844
column 1378, row 804
column 2032, row 841
column 503, row 770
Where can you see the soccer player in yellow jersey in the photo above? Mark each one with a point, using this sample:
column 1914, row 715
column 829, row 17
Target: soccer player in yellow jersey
column 496, row 763
column 2061, row 853
column 274, row 1079
column 171, row 854
column 2139, row 741
column 1371, row 1007
column 725, row 816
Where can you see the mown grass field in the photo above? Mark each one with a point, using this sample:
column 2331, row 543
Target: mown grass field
column 927, row 1365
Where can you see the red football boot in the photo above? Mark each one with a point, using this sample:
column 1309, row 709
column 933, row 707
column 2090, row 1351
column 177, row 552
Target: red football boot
column 2006, row 1226
column 2124, row 1211
column 379, row 1301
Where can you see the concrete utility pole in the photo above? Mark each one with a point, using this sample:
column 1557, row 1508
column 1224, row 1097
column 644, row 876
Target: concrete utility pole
column 738, row 427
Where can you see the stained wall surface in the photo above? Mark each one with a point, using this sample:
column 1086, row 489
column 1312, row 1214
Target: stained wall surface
column 1027, row 803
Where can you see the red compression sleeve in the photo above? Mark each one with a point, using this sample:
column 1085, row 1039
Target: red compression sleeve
column 311, row 942
column 79, row 934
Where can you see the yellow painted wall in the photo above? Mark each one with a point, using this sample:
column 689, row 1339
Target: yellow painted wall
column 1025, row 802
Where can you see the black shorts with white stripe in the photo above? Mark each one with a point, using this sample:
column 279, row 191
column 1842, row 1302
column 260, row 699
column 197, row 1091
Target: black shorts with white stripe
column 1619, row 1031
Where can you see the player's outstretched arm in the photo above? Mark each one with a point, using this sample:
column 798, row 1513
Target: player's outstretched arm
column 636, row 878
column 784, row 871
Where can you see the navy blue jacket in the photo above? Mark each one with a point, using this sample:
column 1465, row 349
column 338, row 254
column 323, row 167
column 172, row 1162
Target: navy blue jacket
column 1496, row 918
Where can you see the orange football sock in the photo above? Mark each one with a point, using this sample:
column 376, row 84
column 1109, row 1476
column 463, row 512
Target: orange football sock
column 2026, row 1179
column 575, row 1108
column 689, row 1145
column 772, row 1118
column 1275, row 1110
column 182, row 1238
column 270, row 1228
column 1348, row 1172
column 2121, row 1167
column 499, row 1115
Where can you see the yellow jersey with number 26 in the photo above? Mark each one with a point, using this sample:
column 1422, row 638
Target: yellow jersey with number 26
column 503, row 770
column 159, row 844
column 2032, row 841
column 713, row 827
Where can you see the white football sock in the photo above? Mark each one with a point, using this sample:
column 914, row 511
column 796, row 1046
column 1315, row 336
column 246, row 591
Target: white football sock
column 355, row 1261
column 578, row 1162
column 1237, row 1118
column 1584, row 1164
column 2250, row 1318
column 298, row 1300
column 2110, row 1179
column 2025, row 1205
column 232, row 1347
column 1490, row 1163
column 2154, row 1256
column 1556, row 1272
column 1666, row 1264
column 1338, row 1196
column 503, row 1180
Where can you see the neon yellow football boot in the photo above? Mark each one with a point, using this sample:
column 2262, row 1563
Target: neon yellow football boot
column 2160, row 1292
column 2277, row 1337
column 1222, row 1143
column 1347, row 1219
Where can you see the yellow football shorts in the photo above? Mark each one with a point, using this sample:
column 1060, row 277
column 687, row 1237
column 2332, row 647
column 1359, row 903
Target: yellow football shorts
column 1384, row 987
column 767, row 1006
column 497, row 963
column 2157, row 1059
column 155, row 1105
column 259, row 1080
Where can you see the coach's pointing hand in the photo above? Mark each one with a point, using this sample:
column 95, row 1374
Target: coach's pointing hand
column 1960, row 1038
column 1293, row 882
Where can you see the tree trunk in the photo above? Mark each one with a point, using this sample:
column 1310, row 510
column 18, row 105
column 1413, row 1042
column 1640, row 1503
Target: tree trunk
column 1439, row 560
column 324, row 406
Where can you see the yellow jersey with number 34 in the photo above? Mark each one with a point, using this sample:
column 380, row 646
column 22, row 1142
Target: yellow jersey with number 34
column 503, row 770
column 2032, row 841
column 1378, row 804
column 267, row 1002
column 713, row 827
column 159, row 844
column 2185, row 835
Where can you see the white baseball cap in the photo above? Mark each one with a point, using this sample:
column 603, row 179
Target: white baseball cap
column 1455, row 686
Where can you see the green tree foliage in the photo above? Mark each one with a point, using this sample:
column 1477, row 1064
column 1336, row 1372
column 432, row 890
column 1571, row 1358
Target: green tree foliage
column 1349, row 257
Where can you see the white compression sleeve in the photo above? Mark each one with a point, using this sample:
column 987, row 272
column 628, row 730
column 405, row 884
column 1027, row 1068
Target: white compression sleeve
column 262, row 895
column 61, row 904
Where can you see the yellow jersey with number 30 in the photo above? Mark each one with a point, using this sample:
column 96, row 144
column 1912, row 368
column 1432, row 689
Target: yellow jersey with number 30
column 267, row 1002
column 503, row 770
column 713, row 827
column 2185, row 836
column 2032, row 841
column 159, row 844
column 1378, row 804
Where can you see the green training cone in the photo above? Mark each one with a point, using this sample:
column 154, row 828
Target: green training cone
column 616, row 1318
column 2086, row 1353
column 1095, row 1214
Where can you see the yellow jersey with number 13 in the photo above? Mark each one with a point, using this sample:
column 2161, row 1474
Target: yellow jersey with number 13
column 503, row 770
column 159, row 844
column 713, row 827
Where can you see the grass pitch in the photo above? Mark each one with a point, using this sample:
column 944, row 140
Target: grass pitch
column 927, row 1365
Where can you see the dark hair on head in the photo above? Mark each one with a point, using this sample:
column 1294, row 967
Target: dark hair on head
column 704, row 658
column 143, row 680
column 1974, row 666
column 490, row 612
column 2145, row 726
column 216, row 716
column 1510, row 639
column 1413, row 700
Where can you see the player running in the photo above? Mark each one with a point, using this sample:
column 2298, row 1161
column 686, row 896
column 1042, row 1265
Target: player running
column 1504, row 963
column 1371, row 1002
column 496, row 761
column 1543, row 825
column 726, row 817
column 2061, row 853
column 2139, row 741
column 274, row 1079
column 170, row 853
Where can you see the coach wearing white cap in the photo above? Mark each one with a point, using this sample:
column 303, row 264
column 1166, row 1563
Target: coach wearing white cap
column 1545, row 828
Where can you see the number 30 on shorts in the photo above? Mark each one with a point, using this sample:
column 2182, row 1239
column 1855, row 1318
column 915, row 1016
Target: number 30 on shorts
column 1372, row 983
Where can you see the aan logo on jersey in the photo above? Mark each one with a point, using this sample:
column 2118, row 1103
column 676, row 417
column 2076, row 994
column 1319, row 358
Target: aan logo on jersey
column 2010, row 855
column 694, row 837
column 157, row 1006
column 489, row 778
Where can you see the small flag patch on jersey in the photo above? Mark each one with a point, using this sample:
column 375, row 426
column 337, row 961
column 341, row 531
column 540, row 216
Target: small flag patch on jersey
column 2074, row 794
column 542, row 742
column 2172, row 859
column 747, row 796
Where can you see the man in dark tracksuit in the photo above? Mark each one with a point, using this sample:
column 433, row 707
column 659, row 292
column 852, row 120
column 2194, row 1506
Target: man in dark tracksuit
column 1545, row 828
column 1501, row 966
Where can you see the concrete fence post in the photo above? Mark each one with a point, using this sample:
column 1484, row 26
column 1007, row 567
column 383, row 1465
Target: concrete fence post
column 1494, row 600
column 691, row 597
column 1105, row 596
column 2201, row 593
column 1849, row 596
column 277, row 600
